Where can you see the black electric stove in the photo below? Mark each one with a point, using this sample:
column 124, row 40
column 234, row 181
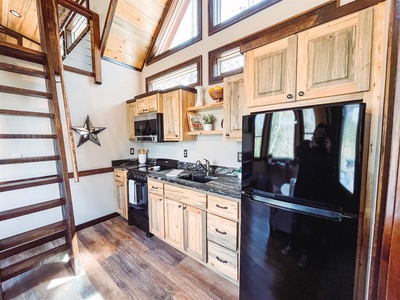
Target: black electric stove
column 137, row 190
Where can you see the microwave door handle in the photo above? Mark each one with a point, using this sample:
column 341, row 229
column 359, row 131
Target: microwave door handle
column 302, row 209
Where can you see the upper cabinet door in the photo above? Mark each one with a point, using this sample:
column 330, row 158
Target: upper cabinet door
column 334, row 58
column 270, row 73
column 172, row 116
column 132, row 113
column 152, row 103
column 234, row 107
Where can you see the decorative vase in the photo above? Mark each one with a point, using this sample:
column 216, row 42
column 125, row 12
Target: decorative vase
column 199, row 95
column 207, row 127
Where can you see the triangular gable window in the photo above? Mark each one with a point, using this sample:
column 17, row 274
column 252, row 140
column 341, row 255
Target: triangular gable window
column 180, row 28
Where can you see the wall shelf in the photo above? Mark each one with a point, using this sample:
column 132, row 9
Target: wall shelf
column 206, row 106
column 205, row 132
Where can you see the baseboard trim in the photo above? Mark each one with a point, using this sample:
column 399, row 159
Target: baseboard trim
column 96, row 221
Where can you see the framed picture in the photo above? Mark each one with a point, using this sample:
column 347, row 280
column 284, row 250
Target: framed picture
column 195, row 121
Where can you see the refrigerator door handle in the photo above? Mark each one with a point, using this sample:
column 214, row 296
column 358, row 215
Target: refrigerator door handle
column 303, row 209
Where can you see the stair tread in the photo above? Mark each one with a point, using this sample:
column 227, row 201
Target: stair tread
column 32, row 262
column 22, row 70
column 24, row 92
column 28, row 182
column 30, row 209
column 8, row 161
column 32, row 235
column 28, row 136
column 26, row 113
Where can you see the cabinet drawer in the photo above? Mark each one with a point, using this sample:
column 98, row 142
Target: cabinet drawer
column 119, row 175
column 223, row 207
column 222, row 231
column 223, row 260
column 155, row 187
column 185, row 196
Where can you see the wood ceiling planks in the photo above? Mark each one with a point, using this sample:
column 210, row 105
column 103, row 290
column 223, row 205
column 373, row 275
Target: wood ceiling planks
column 134, row 25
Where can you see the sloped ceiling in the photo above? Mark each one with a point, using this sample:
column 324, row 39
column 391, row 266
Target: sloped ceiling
column 133, row 27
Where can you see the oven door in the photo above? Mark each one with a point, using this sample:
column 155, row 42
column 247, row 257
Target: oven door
column 137, row 195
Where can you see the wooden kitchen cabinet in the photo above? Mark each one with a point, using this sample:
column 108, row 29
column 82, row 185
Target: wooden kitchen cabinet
column 328, row 60
column 121, row 193
column 175, row 122
column 223, row 235
column 234, row 107
column 148, row 104
column 174, row 223
column 156, row 208
column 132, row 113
column 194, row 235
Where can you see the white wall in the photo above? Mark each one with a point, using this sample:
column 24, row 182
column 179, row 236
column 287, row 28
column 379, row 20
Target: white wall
column 213, row 148
column 93, row 196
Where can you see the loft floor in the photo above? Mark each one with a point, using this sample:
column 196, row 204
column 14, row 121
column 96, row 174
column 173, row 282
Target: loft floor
column 120, row 262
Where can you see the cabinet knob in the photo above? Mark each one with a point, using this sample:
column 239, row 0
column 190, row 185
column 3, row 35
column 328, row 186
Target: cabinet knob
column 176, row 135
column 301, row 93
column 227, row 134
column 179, row 206
column 160, row 199
column 289, row 96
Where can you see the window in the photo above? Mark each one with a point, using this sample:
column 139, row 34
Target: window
column 281, row 142
column 309, row 123
column 181, row 28
column 224, row 13
column 187, row 74
column 348, row 145
column 225, row 61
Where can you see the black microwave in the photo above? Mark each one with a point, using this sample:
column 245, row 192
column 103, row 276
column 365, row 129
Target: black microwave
column 149, row 128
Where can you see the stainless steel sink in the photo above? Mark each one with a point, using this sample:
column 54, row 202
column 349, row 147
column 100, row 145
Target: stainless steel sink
column 197, row 178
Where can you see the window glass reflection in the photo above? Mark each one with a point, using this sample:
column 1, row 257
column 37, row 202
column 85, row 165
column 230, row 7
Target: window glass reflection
column 282, row 135
column 348, row 145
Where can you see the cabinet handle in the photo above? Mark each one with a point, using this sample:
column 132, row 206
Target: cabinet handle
column 160, row 199
column 176, row 135
column 301, row 93
column 221, row 260
column 179, row 206
column 289, row 96
column 222, row 207
column 154, row 187
column 221, row 232
column 184, row 207
column 227, row 134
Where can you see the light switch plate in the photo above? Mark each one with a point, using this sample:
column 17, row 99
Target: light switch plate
column 239, row 156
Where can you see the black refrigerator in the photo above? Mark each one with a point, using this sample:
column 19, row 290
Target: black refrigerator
column 300, row 204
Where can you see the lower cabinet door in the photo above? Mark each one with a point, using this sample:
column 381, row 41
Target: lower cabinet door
column 223, row 260
column 156, row 215
column 174, row 223
column 194, row 224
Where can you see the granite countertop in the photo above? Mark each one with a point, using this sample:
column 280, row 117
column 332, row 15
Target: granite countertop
column 225, row 185
column 224, row 180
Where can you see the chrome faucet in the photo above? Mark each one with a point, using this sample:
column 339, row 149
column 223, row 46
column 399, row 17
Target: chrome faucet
column 206, row 167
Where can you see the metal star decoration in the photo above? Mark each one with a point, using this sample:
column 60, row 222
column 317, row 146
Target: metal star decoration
column 88, row 132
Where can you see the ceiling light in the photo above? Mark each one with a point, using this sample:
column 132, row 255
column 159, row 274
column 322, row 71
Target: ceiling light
column 15, row 13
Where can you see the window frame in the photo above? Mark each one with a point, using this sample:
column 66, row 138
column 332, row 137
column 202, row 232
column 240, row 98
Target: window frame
column 166, row 19
column 212, row 29
column 213, row 57
column 196, row 60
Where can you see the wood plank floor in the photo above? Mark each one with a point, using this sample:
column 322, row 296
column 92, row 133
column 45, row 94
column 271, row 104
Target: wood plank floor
column 120, row 262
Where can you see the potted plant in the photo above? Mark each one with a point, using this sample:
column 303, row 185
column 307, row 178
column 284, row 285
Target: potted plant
column 208, row 120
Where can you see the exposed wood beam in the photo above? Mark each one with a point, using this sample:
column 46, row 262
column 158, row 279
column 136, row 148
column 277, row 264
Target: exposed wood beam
column 20, row 52
column 76, row 8
column 95, row 46
column 16, row 34
column 107, row 25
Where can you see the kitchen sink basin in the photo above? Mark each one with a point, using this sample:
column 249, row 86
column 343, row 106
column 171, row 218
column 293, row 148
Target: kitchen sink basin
column 197, row 178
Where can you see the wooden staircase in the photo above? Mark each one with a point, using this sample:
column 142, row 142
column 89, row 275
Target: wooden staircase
column 36, row 174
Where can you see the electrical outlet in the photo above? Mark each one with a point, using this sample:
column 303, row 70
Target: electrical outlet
column 239, row 156
column 132, row 151
column 185, row 153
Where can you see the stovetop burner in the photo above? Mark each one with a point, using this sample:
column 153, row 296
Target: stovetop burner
column 139, row 171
